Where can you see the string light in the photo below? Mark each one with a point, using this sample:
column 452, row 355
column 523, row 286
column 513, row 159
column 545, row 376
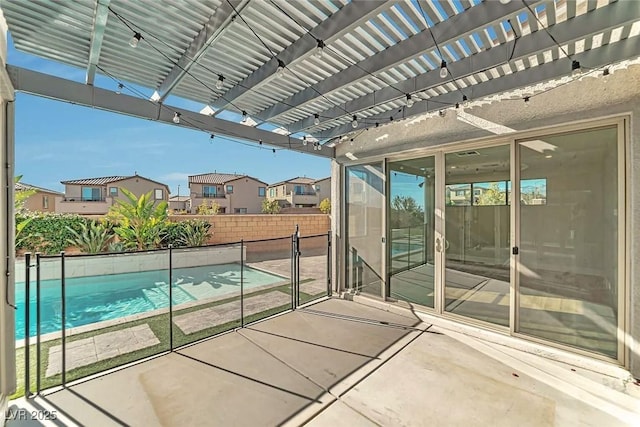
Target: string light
column 304, row 140
column 220, row 82
column 354, row 122
column 135, row 39
column 465, row 101
column 320, row 49
column 280, row 70
column 176, row 118
column 442, row 113
column 443, row 69
column 409, row 101
column 244, row 116
column 316, row 119
column 576, row 70
column 119, row 90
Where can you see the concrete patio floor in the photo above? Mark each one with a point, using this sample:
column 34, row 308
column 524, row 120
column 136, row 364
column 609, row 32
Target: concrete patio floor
column 340, row 363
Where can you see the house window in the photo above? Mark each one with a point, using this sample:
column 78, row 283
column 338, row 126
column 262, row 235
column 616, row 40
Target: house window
column 229, row 189
column 298, row 189
column 317, row 187
column 91, row 194
column 159, row 194
column 208, row 191
column 261, row 191
column 240, row 210
column 113, row 191
column 272, row 192
column 45, row 202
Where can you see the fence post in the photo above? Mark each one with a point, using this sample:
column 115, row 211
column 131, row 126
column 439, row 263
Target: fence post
column 297, row 265
column 27, row 323
column 329, row 263
column 242, row 283
column 63, row 315
column 38, row 321
column 170, row 297
column 293, row 273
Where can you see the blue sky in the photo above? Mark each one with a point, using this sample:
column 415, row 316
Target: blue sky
column 57, row 141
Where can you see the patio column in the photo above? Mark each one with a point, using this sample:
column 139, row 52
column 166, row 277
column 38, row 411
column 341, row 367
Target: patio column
column 7, row 313
column 336, row 235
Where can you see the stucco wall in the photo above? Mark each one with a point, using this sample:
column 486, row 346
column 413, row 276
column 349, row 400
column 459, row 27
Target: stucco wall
column 139, row 186
column 245, row 195
column 586, row 99
column 35, row 202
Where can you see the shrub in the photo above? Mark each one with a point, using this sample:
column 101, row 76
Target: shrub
column 206, row 209
column 193, row 232
column 325, row 206
column 93, row 237
column 48, row 233
column 270, row 206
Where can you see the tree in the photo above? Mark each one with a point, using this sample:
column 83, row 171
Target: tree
column 325, row 206
column 206, row 209
column 140, row 221
column 18, row 208
column 270, row 206
column 492, row 196
column 405, row 212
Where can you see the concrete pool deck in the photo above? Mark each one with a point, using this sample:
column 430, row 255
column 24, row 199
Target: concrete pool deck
column 340, row 363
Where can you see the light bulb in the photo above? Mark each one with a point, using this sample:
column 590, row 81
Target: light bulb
column 244, row 116
column 319, row 147
column 304, row 140
column 134, row 40
column 465, row 101
column 176, row 118
column 316, row 119
column 409, row 101
column 220, row 83
column 443, row 70
column 442, row 113
column 605, row 74
column 119, row 90
column 280, row 70
column 576, row 70
column 354, row 123
column 320, row 49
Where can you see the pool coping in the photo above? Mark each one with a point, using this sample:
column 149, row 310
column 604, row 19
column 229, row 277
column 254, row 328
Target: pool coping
column 158, row 311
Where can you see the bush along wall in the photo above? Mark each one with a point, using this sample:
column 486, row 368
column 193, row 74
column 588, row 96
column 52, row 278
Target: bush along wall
column 47, row 233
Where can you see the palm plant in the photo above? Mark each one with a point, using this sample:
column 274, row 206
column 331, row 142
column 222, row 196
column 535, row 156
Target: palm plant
column 18, row 208
column 140, row 221
column 194, row 233
column 92, row 238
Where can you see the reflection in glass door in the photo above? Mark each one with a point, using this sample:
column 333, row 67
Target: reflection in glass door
column 365, row 231
column 477, row 234
column 568, row 270
column 411, row 230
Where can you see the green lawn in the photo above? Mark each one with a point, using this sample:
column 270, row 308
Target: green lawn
column 159, row 324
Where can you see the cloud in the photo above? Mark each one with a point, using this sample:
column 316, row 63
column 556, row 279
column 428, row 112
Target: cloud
column 175, row 176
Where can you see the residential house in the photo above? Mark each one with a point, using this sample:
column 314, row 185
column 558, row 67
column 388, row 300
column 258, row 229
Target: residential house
column 300, row 192
column 233, row 193
column 94, row 196
column 180, row 203
column 42, row 200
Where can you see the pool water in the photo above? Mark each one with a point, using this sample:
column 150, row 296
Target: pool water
column 93, row 299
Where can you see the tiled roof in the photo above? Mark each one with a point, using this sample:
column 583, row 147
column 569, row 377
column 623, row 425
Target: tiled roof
column 179, row 198
column 217, row 178
column 107, row 180
column 296, row 180
column 95, row 181
column 321, row 179
column 21, row 186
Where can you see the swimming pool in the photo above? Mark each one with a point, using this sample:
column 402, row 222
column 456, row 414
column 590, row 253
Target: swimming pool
column 93, row 299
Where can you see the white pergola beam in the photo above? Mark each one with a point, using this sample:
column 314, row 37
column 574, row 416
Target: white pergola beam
column 100, row 17
column 452, row 29
column 615, row 15
column 617, row 52
column 52, row 87
column 343, row 21
column 211, row 31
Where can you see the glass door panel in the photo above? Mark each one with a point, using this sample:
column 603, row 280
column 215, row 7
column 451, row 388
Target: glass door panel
column 365, row 230
column 411, row 230
column 568, row 262
column 477, row 234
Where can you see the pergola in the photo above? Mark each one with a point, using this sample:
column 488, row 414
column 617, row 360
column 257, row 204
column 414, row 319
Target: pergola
column 294, row 72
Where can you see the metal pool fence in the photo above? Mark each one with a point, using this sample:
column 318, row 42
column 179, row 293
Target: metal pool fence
column 88, row 313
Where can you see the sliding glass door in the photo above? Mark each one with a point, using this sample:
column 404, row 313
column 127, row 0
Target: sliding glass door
column 365, row 203
column 411, row 215
column 477, row 234
column 569, row 271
